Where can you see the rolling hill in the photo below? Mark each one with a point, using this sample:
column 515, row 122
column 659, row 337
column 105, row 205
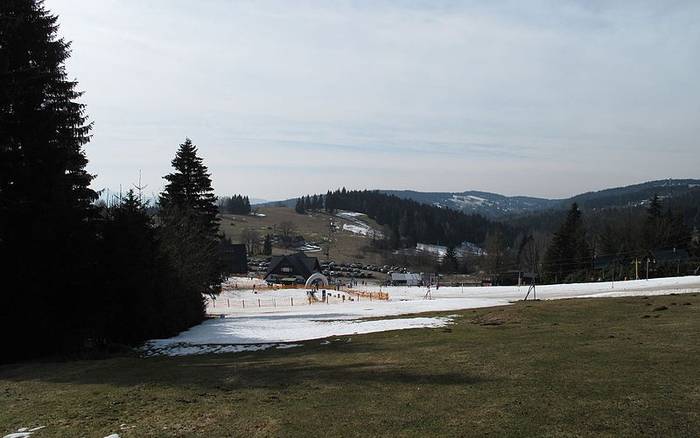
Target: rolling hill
column 494, row 205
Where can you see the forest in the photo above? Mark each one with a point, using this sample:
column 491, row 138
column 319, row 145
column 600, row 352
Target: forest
column 79, row 275
column 408, row 222
column 555, row 245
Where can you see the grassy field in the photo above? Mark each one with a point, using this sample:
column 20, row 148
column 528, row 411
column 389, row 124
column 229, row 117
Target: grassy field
column 347, row 247
column 591, row 367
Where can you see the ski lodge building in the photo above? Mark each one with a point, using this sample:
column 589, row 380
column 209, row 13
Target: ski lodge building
column 292, row 269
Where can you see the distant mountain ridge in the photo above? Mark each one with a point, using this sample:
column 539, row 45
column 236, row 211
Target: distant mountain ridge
column 484, row 203
column 494, row 205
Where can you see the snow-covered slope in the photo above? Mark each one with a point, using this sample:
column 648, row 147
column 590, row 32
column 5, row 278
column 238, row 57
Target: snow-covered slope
column 285, row 316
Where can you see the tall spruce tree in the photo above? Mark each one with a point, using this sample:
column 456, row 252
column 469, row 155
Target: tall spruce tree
column 654, row 225
column 267, row 245
column 190, row 227
column 189, row 187
column 45, row 199
column 299, row 207
column 569, row 252
column 450, row 263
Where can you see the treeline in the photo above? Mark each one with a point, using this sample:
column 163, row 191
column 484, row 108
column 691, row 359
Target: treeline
column 235, row 204
column 309, row 203
column 408, row 222
column 596, row 245
column 618, row 242
column 77, row 275
column 686, row 205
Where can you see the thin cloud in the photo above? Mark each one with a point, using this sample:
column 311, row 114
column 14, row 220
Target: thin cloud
column 593, row 91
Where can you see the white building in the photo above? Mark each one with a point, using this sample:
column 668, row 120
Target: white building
column 407, row 279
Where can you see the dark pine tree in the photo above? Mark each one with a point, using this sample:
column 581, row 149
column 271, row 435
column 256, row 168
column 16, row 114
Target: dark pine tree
column 450, row 263
column 653, row 225
column 46, row 232
column 299, row 207
column 190, row 225
column 189, row 187
column 569, row 252
column 267, row 245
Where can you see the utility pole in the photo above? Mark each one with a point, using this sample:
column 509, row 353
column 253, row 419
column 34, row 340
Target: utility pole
column 330, row 238
column 647, row 268
column 612, row 284
column 636, row 268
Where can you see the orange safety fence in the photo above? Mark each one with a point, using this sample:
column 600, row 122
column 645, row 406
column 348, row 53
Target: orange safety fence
column 382, row 296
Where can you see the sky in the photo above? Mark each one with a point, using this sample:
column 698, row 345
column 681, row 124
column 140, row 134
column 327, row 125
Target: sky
column 539, row 98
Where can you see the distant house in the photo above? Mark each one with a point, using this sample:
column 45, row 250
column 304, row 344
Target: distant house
column 293, row 268
column 405, row 279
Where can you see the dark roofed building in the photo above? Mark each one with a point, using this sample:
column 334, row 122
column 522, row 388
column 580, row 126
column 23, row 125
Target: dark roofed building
column 293, row 268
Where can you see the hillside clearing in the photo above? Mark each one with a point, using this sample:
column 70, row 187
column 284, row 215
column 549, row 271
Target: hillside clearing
column 350, row 241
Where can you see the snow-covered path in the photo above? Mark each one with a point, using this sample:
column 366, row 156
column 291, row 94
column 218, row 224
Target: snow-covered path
column 276, row 321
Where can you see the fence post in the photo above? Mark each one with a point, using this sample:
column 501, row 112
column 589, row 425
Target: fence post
column 243, row 302
column 258, row 302
column 228, row 302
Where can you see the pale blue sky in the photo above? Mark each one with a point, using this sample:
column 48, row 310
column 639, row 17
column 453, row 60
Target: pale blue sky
column 543, row 98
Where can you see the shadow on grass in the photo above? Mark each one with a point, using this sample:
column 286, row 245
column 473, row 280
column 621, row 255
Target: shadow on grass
column 315, row 365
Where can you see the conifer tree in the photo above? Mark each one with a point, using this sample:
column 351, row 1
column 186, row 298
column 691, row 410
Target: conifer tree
column 45, row 198
column 653, row 225
column 189, row 222
column 189, row 188
column 450, row 263
column 267, row 245
column 299, row 208
column 569, row 251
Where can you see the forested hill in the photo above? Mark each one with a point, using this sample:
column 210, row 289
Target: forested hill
column 409, row 222
column 487, row 204
column 616, row 209
column 498, row 206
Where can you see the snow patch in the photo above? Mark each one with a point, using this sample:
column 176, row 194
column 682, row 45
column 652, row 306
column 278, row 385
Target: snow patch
column 23, row 432
column 357, row 226
column 160, row 348
column 357, row 229
column 293, row 318
column 349, row 214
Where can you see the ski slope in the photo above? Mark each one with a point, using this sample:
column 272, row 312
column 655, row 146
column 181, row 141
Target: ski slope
column 284, row 316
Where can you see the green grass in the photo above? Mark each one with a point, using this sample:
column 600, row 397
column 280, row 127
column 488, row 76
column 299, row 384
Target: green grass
column 593, row 367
